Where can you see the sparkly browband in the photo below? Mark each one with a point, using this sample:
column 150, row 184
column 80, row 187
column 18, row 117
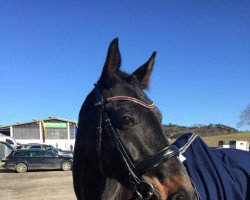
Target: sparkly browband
column 126, row 98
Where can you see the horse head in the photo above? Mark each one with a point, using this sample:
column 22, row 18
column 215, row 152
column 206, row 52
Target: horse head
column 120, row 136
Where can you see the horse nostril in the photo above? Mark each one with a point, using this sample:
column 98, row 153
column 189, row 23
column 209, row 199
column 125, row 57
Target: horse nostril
column 181, row 195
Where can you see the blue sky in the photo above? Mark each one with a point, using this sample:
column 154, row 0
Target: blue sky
column 52, row 52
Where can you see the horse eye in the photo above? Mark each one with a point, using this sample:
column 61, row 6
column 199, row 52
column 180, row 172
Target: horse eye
column 126, row 120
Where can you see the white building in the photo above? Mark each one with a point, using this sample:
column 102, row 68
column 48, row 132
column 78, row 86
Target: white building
column 236, row 144
column 58, row 132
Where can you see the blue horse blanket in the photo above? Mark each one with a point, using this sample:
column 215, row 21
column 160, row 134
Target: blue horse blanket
column 218, row 174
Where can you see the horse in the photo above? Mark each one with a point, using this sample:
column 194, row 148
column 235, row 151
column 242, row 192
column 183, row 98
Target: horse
column 121, row 151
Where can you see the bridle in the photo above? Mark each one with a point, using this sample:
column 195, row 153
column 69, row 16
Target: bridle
column 142, row 190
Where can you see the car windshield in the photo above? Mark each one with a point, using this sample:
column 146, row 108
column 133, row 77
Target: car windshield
column 52, row 149
column 35, row 147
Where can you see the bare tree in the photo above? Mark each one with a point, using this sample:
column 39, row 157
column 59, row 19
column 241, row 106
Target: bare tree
column 244, row 117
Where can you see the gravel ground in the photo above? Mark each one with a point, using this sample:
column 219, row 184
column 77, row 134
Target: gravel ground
column 36, row 185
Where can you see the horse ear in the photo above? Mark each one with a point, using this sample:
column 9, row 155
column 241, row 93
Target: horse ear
column 113, row 62
column 143, row 73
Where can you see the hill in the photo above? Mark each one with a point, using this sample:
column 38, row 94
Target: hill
column 174, row 131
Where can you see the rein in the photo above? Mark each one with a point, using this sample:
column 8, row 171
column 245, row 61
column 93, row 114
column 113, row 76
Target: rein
column 142, row 189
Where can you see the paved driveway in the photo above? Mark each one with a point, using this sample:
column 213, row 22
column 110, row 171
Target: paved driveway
column 36, row 185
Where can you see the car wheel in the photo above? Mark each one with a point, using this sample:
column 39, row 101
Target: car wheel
column 66, row 166
column 21, row 168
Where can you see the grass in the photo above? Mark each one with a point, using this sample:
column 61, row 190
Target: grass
column 212, row 141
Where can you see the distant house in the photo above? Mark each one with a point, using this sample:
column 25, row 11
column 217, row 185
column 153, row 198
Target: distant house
column 58, row 132
column 236, row 144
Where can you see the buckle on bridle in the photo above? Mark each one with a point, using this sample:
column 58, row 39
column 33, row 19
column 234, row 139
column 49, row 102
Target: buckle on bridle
column 99, row 103
column 143, row 191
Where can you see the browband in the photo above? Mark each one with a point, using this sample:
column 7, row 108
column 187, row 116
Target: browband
column 127, row 98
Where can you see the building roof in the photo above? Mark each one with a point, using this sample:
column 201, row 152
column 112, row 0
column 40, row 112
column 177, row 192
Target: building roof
column 34, row 120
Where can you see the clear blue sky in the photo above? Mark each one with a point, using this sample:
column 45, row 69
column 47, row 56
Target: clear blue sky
column 52, row 52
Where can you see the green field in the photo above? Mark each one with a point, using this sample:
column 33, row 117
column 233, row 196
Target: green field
column 212, row 141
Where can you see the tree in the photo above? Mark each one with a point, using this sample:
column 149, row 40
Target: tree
column 244, row 117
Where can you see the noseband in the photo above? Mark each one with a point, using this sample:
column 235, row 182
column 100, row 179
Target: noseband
column 142, row 190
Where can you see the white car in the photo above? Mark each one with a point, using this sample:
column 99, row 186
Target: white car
column 8, row 139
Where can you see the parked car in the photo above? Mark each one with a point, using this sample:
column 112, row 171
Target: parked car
column 46, row 147
column 5, row 150
column 9, row 140
column 23, row 160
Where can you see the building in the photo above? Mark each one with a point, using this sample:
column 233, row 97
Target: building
column 236, row 144
column 58, row 132
column 224, row 144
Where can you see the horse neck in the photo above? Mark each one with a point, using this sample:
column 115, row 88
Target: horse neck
column 115, row 191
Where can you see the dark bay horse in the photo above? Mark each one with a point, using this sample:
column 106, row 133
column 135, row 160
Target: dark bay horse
column 120, row 137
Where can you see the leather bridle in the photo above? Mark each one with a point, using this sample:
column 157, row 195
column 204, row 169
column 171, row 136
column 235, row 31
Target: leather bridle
column 142, row 189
